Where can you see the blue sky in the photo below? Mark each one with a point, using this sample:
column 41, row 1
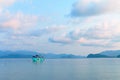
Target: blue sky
column 65, row 26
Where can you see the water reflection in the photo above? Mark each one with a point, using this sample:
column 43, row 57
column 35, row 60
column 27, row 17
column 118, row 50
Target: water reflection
column 52, row 69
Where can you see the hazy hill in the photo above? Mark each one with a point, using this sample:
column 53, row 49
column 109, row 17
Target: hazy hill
column 105, row 54
column 97, row 56
column 29, row 54
column 112, row 53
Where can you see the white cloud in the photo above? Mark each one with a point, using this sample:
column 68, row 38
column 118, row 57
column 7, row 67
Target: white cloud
column 93, row 42
column 103, row 33
column 94, row 7
column 18, row 24
column 4, row 3
column 62, row 39
column 48, row 30
column 20, row 20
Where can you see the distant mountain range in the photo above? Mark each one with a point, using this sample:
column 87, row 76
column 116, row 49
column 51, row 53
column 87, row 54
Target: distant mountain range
column 106, row 54
column 29, row 54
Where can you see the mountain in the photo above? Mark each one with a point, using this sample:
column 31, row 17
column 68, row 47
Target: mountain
column 118, row 56
column 112, row 53
column 51, row 55
column 97, row 56
column 29, row 54
column 106, row 54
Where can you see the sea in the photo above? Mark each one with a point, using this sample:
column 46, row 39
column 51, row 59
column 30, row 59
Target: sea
column 60, row 69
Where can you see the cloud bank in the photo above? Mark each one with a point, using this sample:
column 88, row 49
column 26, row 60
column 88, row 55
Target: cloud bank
column 99, row 35
column 94, row 24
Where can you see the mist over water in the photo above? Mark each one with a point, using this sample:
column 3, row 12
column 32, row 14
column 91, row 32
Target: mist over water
column 60, row 69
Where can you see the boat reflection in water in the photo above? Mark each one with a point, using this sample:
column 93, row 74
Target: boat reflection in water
column 38, row 59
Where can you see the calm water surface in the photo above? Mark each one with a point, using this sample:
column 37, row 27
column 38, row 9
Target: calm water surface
column 60, row 69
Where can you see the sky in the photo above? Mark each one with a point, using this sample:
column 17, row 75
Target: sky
column 60, row 26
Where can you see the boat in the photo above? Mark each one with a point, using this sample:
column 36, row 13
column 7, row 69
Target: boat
column 37, row 58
